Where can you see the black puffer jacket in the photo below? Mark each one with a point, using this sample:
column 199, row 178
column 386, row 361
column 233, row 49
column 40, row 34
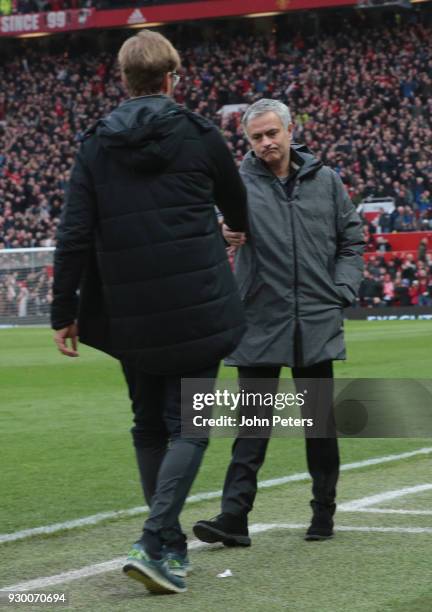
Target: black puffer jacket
column 139, row 235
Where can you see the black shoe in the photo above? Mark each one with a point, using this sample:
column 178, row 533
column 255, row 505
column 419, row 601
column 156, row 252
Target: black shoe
column 226, row 528
column 321, row 527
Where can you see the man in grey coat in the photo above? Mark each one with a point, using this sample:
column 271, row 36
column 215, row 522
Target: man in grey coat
column 297, row 268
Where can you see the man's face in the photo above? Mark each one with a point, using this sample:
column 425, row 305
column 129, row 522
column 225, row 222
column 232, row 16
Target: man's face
column 269, row 139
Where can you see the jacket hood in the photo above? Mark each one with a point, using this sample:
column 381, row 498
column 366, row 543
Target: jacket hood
column 300, row 155
column 144, row 133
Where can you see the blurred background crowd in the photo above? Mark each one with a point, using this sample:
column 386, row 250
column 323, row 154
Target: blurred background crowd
column 363, row 103
column 16, row 7
column 360, row 96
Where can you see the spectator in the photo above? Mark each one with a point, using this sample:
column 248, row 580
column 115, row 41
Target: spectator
column 388, row 290
column 422, row 280
column 422, row 250
column 425, row 299
column 384, row 222
column 22, row 300
column 409, row 269
column 424, row 202
column 373, row 266
column 401, row 290
column 370, row 292
column 409, row 219
column 403, row 220
column 383, row 245
column 414, row 293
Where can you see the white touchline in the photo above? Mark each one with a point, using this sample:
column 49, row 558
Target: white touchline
column 84, row 572
column 115, row 564
column 392, row 511
column 272, row 482
column 260, row 527
column 357, row 505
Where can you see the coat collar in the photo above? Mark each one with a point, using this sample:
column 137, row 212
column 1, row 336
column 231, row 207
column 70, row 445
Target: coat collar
column 301, row 158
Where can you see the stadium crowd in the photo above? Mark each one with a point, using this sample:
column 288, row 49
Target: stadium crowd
column 402, row 280
column 361, row 99
column 43, row 6
column 399, row 281
column 26, row 290
column 17, row 7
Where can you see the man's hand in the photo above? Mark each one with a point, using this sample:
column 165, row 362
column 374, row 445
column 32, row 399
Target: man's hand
column 235, row 239
column 61, row 336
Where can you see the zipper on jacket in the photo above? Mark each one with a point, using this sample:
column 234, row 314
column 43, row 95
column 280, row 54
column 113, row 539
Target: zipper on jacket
column 298, row 346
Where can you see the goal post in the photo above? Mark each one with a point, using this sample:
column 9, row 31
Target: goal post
column 26, row 278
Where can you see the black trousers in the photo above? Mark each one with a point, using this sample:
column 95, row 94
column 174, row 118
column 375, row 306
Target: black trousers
column 167, row 462
column 248, row 454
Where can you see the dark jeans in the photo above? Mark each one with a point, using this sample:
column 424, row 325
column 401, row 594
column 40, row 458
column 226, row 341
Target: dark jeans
column 248, row 454
column 167, row 462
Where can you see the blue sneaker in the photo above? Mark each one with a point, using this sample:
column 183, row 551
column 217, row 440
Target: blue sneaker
column 154, row 574
column 178, row 563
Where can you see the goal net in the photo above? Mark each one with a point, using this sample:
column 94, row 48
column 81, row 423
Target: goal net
column 25, row 286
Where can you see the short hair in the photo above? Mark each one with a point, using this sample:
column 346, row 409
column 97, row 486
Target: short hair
column 144, row 60
column 266, row 105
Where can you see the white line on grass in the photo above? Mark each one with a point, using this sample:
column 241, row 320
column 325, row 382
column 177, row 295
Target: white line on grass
column 84, row 572
column 102, row 516
column 115, row 564
column 261, row 527
column 365, row 502
column 393, row 511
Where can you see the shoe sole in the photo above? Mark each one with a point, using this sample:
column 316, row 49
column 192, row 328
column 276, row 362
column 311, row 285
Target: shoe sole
column 211, row 535
column 318, row 538
column 151, row 579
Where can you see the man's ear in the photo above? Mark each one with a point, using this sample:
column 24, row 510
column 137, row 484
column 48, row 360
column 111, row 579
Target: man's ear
column 167, row 85
column 124, row 83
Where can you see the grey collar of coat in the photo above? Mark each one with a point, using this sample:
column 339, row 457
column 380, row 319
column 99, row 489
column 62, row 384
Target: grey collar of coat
column 300, row 156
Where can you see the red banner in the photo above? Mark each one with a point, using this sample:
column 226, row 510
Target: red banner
column 62, row 21
column 54, row 21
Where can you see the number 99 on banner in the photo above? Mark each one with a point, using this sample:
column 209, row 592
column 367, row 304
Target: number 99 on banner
column 56, row 19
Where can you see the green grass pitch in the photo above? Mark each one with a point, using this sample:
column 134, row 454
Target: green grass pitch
column 66, row 453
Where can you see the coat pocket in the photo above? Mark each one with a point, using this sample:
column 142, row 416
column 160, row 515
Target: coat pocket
column 345, row 294
column 245, row 272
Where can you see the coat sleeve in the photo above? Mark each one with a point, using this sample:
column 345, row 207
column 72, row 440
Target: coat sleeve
column 75, row 239
column 229, row 190
column 350, row 243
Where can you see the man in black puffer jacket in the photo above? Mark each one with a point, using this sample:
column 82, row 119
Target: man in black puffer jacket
column 140, row 239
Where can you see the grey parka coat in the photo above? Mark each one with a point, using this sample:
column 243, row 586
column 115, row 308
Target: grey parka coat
column 301, row 265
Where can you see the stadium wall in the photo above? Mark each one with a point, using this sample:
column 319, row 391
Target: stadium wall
column 386, row 313
column 406, row 241
column 412, row 313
